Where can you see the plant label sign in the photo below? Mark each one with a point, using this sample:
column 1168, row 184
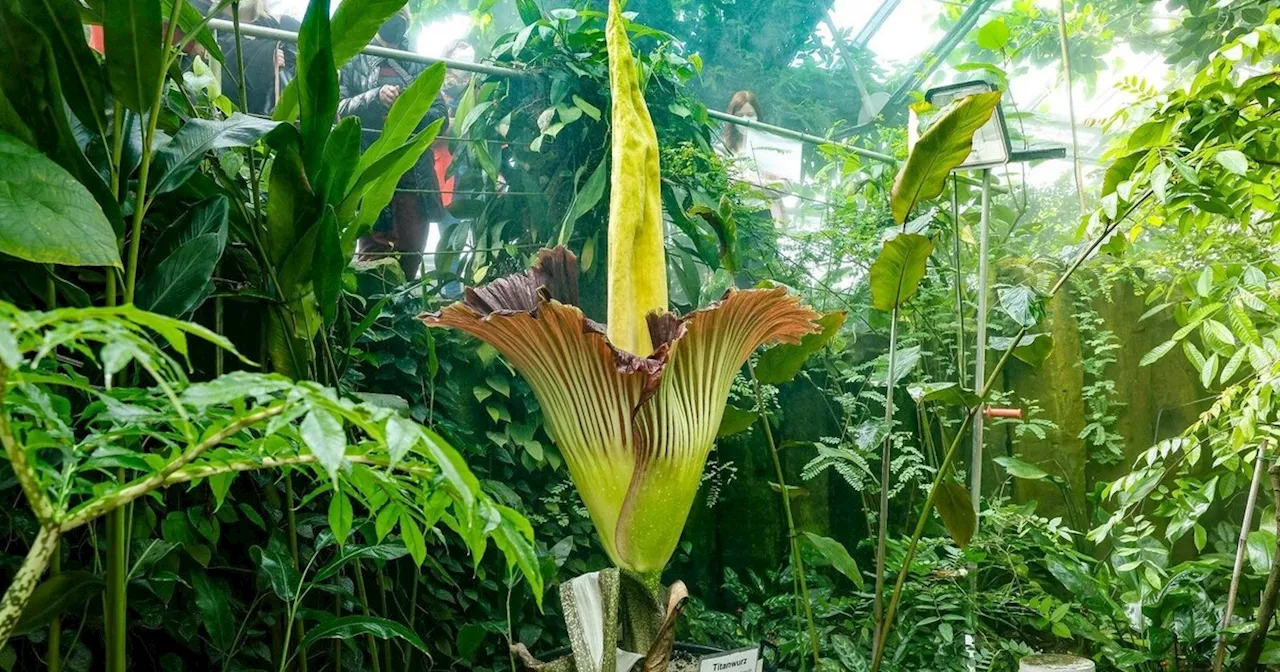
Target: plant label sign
column 741, row 660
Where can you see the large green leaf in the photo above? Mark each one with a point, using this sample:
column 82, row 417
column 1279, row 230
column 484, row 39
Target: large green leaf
column 46, row 216
column 939, row 151
column 341, row 155
column 838, row 556
column 348, row 627
column 212, row 601
column 381, row 190
column 179, row 283
column 356, row 22
column 956, row 509
column 1019, row 469
column 134, row 40
column 781, row 363
column 514, row 537
column 896, row 273
column 317, row 85
column 353, row 552
column 81, row 74
column 1032, row 349
column 275, row 564
column 33, row 109
column 1022, row 304
column 205, row 217
column 950, row 394
column 405, row 115
column 328, row 266
column 177, row 159
column 56, row 595
column 735, row 420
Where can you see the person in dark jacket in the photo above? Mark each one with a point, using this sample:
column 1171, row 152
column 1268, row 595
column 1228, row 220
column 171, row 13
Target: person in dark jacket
column 368, row 86
column 269, row 64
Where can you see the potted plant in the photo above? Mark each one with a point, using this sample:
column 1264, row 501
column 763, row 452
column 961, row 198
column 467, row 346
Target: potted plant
column 633, row 405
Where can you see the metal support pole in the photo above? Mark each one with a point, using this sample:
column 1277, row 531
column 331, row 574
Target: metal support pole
column 398, row 54
column 980, row 357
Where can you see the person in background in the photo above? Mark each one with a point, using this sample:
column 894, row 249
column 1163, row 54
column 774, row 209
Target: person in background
column 367, row 87
column 745, row 165
column 269, row 64
column 743, row 104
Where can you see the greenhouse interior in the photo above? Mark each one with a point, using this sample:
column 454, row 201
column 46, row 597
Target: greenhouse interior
column 647, row 336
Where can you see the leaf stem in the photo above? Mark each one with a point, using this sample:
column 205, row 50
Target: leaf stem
column 798, row 560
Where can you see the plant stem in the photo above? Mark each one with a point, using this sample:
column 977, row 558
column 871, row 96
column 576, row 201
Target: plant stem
column 798, row 561
column 882, row 522
column 115, row 601
column 364, row 603
column 244, row 103
column 1267, row 606
column 1241, row 544
column 293, row 551
column 140, row 202
column 55, row 625
column 25, row 581
column 413, row 613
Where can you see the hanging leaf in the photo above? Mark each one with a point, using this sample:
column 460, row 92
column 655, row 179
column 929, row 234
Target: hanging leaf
column 211, row 600
column 341, row 155
column 896, row 273
column 904, row 363
column 205, row 217
column 1233, row 160
column 1019, row 469
column 950, row 394
column 584, row 200
column 56, row 595
column 1157, row 352
column 328, row 267
column 1032, row 349
column 735, row 420
column 46, row 216
column 277, row 567
column 838, row 556
column 1021, row 304
column 340, row 517
column 349, row 627
column 134, row 40
column 939, row 151
column 781, row 363
column 324, row 437
column 178, row 159
column 956, row 509
column 179, row 283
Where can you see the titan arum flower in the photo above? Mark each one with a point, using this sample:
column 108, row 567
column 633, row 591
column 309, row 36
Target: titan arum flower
column 633, row 407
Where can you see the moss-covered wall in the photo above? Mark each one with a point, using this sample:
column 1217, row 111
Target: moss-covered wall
column 746, row 529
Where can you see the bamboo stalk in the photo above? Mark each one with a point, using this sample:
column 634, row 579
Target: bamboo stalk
column 1267, row 606
column 1241, row 545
